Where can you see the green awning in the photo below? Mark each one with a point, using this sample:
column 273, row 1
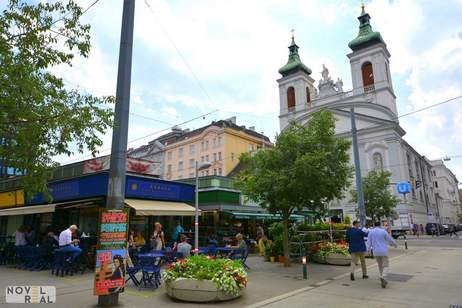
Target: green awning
column 249, row 215
column 307, row 213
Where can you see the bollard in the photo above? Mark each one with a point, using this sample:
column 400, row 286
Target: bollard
column 305, row 271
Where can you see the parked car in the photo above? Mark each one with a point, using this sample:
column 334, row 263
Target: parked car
column 430, row 225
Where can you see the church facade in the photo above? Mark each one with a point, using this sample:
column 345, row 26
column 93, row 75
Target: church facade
column 380, row 136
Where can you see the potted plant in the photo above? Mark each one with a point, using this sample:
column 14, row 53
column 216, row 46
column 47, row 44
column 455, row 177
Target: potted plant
column 202, row 279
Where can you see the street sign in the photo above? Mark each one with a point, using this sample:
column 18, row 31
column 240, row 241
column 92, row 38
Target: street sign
column 403, row 188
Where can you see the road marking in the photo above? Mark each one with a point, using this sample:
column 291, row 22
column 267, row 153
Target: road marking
column 316, row 285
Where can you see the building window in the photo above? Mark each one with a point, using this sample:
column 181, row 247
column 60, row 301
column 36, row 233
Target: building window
column 206, row 158
column 192, row 149
column 219, row 155
column 308, row 97
column 436, row 184
column 378, row 161
column 290, row 98
column 169, row 168
column 219, row 171
column 214, row 156
column 250, row 147
column 202, row 158
column 202, row 146
column 180, row 165
column 180, row 152
column 232, row 156
column 214, row 171
column 206, row 172
column 219, row 141
column 206, row 144
column 434, row 172
column 191, row 175
column 191, row 163
column 169, row 155
column 368, row 75
column 214, row 142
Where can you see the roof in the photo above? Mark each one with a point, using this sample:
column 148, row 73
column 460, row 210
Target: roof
column 221, row 124
column 366, row 36
column 294, row 64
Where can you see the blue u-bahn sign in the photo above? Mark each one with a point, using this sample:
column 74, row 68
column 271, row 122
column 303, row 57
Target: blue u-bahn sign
column 403, row 188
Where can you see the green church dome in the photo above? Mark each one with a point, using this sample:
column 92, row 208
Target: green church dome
column 366, row 37
column 294, row 63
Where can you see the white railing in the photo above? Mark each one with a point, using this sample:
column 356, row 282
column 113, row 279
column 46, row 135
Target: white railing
column 369, row 88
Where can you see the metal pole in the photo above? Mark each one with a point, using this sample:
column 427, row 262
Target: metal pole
column 116, row 185
column 196, row 214
column 359, row 187
column 438, row 213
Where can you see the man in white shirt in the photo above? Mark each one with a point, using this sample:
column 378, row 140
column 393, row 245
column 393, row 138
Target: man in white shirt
column 378, row 240
column 66, row 243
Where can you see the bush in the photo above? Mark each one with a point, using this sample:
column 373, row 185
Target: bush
column 327, row 248
column 347, row 220
column 229, row 276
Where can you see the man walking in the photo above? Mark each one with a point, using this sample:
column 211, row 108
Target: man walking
column 378, row 240
column 357, row 248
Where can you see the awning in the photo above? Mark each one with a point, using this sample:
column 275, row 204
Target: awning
column 160, row 208
column 250, row 215
column 30, row 209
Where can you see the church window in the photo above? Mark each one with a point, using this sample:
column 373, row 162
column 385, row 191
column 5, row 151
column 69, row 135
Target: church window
column 290, row 98
column 378, row 161
column 368, row 75
column 308, row 98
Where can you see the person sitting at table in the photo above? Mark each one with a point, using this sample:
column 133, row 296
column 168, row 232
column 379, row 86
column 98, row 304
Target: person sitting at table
column 241, row 244
column 158, row 238
column 138, row 239
column 184, row 247
column 20, row 236
column 66, row 243
column 49, row 242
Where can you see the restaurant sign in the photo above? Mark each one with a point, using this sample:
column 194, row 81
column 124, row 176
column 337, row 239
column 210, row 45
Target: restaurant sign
column 111, row 253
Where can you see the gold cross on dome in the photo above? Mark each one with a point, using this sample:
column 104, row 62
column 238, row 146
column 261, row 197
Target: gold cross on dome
column 292, row 31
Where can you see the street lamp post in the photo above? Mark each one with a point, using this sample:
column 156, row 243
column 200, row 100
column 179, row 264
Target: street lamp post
column 199, row 167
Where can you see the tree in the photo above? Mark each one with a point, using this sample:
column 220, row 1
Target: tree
column 307, row 168
column 378, row 199
column 39, row 117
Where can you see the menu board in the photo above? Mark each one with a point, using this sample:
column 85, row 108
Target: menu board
column 111, row 254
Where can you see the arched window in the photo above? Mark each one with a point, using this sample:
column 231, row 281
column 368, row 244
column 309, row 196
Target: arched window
column 368, row 74
column 308, row 98
column 290, row 98
column 378, row 161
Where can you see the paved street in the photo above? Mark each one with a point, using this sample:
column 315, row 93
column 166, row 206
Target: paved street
column 426, row 277
column 433, row 272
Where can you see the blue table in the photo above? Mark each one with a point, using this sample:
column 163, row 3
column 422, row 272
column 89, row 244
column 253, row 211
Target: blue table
column 152, row 254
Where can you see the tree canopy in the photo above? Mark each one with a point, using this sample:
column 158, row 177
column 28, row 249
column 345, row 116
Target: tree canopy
column 378, row 200
column 307, row 168
column 40, row 117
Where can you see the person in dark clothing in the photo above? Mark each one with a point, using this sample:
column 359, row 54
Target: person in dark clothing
column 50, row 242
column 357, row 248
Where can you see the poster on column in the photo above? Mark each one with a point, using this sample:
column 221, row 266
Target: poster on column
column 111, row 254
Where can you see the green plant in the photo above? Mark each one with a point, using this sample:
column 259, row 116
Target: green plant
column 347, row 220
column 327, row 248
column 229, row 276
column 275, row 230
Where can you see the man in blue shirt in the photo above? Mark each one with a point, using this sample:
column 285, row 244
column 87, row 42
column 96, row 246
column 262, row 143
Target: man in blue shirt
column 357, row 248
column 378, row 240
column 178, row 231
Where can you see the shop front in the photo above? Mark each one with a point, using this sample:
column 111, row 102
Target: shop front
column 79, row 201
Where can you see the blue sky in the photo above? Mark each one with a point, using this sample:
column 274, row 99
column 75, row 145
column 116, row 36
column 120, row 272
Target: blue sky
column 235, row 48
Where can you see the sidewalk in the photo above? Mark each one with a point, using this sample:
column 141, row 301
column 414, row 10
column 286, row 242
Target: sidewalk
column 430, row 277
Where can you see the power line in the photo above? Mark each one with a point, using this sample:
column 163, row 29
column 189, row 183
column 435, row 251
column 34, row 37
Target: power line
column 199, row 83
column 143, row 137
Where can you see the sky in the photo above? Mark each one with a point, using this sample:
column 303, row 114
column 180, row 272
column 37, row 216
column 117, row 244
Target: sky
column 221, row 58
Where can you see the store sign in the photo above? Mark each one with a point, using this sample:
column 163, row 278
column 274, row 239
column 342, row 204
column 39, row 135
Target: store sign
column 12, row 198
column 134, row 165
column 111, row 253
column 403, row 188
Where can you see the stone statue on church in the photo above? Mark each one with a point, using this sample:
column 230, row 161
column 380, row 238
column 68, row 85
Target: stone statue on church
column 326, row 84
column 325, row 74
column 339, row 85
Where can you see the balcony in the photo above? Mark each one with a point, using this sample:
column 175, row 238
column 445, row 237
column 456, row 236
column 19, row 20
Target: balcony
column 369, row 89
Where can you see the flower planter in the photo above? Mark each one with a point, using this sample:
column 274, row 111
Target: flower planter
column 281, row 259
column 272, row 259
column 199, row 291
column 318, row 259
column 338, row 259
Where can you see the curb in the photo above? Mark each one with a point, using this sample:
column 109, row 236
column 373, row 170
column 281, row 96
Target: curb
column 317, row 285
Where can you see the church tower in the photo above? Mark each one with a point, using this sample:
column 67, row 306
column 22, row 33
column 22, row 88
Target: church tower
column 370, row 66
column 296, row 88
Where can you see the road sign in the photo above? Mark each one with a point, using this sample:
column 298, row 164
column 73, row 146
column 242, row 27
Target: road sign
column 403, row 188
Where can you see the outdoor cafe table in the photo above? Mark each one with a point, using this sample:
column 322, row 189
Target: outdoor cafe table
column 151, row 255
column 224, row 251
